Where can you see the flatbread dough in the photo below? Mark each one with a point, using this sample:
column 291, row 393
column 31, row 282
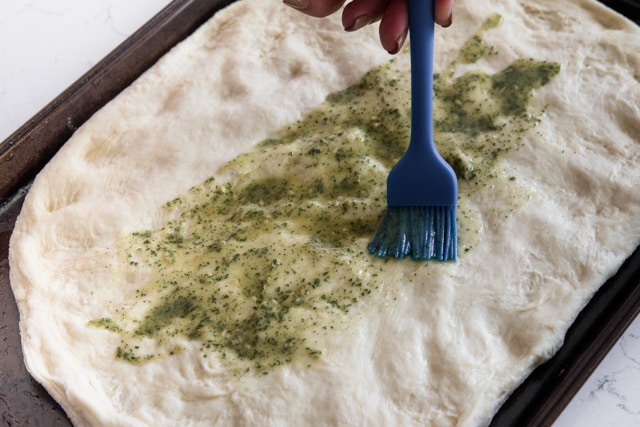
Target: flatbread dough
column 435, row 344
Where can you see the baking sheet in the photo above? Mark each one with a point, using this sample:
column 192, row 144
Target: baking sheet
column 538, row 401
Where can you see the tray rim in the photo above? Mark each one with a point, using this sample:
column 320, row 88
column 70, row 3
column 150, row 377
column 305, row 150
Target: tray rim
column 541, row 397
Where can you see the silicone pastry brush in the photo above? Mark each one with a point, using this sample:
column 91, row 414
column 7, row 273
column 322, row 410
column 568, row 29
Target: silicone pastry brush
column 422, row 188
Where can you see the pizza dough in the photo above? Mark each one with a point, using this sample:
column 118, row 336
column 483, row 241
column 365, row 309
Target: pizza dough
column 371, row 342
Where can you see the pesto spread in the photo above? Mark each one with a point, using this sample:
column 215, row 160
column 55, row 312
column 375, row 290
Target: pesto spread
column 262, row 263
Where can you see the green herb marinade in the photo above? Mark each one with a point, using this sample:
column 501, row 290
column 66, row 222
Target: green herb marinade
column 260, row 268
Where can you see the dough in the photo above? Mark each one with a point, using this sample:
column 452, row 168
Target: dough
column 121, row 220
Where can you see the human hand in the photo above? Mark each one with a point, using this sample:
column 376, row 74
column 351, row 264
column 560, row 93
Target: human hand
column 392, row 14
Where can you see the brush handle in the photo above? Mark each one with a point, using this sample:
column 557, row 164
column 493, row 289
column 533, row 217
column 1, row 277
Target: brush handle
column 422, row 177
column 421, row 27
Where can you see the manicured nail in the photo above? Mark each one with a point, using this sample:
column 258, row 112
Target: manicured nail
column 297, row 4
column 399, row 43
column 359, row 22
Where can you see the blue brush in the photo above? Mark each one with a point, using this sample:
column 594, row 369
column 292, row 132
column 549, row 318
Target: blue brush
column 422, row 189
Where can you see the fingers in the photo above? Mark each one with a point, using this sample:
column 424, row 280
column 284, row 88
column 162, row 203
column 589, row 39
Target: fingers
column 392, row 14
column 394, row 26
column 359, row 13
column 443, row 12
column 317, row 8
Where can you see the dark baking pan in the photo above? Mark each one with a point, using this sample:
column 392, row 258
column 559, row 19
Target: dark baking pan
column 23, row 402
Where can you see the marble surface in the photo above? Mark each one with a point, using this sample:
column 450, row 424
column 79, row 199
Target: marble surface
column 45, row 45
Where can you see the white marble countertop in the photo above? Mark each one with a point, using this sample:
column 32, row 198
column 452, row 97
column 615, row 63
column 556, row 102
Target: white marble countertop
column 45, row 45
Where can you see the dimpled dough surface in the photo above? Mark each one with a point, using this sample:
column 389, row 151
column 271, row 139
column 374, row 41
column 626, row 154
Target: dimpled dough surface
column 421, row 343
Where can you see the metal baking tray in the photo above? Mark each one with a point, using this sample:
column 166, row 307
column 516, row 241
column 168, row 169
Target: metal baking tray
column 537, row 402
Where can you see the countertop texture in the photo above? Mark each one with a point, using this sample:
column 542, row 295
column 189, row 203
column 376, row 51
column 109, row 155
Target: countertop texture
column 45, row 45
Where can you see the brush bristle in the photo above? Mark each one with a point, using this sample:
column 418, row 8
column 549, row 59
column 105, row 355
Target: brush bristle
column 423, row 232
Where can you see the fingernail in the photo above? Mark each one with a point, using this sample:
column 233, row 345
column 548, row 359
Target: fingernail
column 399, row 43
column 297, row 4
column 359, row 22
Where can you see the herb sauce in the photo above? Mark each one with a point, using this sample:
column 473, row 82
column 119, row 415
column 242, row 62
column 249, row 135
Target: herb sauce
column 261, row 266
